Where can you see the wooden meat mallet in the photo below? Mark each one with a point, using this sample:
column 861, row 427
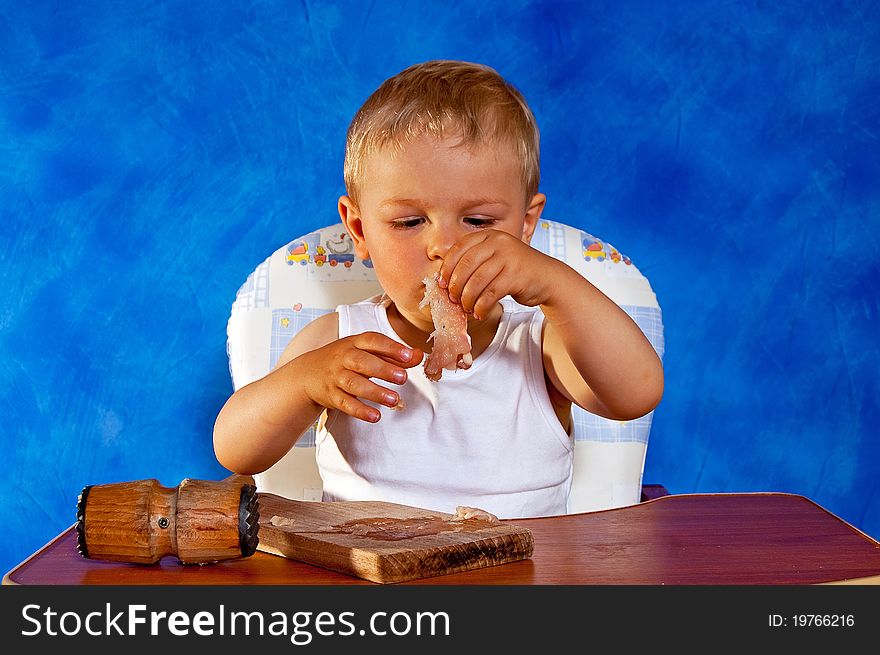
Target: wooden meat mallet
column 198, row 521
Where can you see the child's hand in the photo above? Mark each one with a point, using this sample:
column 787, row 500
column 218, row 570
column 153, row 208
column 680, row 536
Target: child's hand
column 483, row 267
column 338, row 374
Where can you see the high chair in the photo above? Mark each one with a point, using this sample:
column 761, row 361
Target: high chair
column 314, row 273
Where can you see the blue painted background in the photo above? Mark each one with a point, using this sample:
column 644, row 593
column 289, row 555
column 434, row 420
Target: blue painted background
column 152, row 153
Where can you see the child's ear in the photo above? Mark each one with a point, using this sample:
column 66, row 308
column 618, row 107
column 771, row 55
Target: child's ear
column 533, row 214
column 351, row 218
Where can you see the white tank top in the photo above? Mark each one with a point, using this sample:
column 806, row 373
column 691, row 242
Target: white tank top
column 485, row 437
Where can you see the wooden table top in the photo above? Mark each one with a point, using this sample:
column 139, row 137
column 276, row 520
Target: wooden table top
column 689, row 539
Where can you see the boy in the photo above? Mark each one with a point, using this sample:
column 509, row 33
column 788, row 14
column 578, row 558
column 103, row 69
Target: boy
column 441, row 174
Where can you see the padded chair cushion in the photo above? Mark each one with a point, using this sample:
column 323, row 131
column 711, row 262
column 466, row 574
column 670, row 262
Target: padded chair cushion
column 314, row 273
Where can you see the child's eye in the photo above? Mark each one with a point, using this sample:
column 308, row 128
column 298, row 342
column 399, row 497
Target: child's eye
column 479, row 221
column 405, row 223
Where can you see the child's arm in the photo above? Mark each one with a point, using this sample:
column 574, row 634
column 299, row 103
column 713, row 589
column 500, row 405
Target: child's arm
column 594, row 353
column 261, row 421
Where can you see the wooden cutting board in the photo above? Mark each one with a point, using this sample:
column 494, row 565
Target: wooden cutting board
column 385, row 542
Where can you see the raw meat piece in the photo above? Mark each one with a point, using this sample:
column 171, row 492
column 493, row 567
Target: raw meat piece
column 452, row 344
column 464, row 513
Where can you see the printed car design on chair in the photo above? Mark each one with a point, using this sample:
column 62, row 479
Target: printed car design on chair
column 338, row 249
column 594, row 249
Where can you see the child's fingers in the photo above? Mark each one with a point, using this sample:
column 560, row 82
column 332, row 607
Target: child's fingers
column 483, row 288
column 364, row 365
column 352, row 384
column 453, row 257
column 387, row 349
column 355, row 408
column 467, row 264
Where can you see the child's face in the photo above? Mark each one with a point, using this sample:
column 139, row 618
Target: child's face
column 415, row 204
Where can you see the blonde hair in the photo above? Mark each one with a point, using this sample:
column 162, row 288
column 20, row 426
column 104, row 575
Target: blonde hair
column 437, row 98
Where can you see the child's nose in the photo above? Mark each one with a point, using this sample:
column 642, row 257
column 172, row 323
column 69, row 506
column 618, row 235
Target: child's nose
column 440, row 240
